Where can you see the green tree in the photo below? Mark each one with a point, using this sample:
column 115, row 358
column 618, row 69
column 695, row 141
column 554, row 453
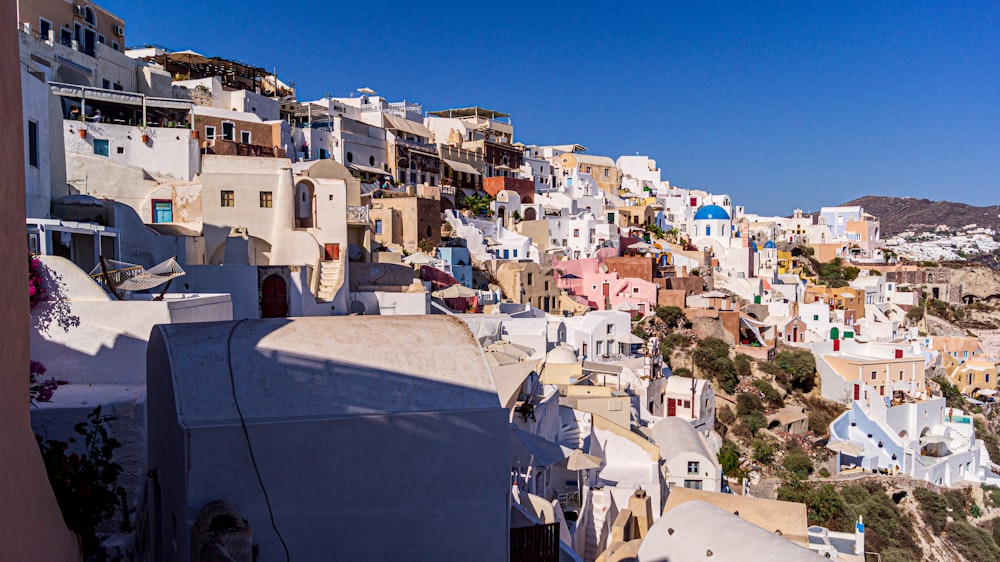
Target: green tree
column 797, row 462
column 672, row 316
column 712, row 359
column 743, row 364
column 748, row 403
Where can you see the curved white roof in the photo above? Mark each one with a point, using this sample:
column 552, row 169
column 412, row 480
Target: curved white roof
column 562, row 355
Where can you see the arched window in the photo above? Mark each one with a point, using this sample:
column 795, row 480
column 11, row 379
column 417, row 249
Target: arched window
column 350, row 158
column 90, row 16
column 371, row 160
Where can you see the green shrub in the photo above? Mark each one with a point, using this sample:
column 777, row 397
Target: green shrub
column 797, row 462
column 743, row 364
column 771, row 394
column 672, row 316
column 916, row 313
column 712, row 359
column 824, row 472
column 972, row 542
column 763, row 451
column 748, row 403
column 729, row 458
column 935, row 507
column 753, row 422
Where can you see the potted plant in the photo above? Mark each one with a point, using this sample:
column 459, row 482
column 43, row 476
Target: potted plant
column 145, row 132
column 83, row 132
column 195, row 133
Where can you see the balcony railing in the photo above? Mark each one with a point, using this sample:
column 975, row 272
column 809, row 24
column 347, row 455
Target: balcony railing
column 357, row 214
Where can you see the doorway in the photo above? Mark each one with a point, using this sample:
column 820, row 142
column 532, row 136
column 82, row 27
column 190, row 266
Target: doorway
column 273, row 297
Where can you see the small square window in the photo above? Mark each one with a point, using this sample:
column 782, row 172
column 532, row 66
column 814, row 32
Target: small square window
column 101, row 147
column 266, row 199
column 209, row 132
column 693, row 467
column 245, row 137
column 228, row 199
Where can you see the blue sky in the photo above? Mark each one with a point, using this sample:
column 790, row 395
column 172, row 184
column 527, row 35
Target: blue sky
column 779, row 104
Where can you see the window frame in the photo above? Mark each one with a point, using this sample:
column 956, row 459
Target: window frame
column 156, row 202
column 227, row 198
column 266, row 199
column 33, row 154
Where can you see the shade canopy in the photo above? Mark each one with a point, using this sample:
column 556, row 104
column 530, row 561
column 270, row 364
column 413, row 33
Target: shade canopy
column 986, row 392
column 421, row 259
column 511, row 349
column 528, row 449
column 630, row 339
column 933, row 439
column 846, row 447
column 455, row 291
column 461, row 167
column 578, row 460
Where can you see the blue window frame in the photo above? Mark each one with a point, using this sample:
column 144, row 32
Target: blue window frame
column 378, row 226
column 163, row 211
column 101, row 147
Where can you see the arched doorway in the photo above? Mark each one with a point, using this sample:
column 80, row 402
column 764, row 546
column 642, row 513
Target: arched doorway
column 304, row 194
column 273, row 297
column 530, row 214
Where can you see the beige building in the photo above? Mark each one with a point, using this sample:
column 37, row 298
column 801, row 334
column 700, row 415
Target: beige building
column 787, row 519
column 403, row 223
column 82, row 23
column 603, row 169
column 528, row 283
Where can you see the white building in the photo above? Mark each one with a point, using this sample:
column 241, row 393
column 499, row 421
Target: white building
column 688, row 462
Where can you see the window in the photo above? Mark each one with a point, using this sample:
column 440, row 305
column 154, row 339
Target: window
column 350, row 158
column 531, row 279
column 607, row 172
column 515, row 253
column 815, row 316
column 693, row 467
column 102, row 39
column 90, row 16
column 228, row 130
column 115, row 45
column 106, row 84
column 610, row 329
column 44, row 27
column 245, row 137
column 163, row 211
column 635, row 290
column 228, row 199
column 266, row 199
column 576, row 233
column 101, row 147
column 378, row 226
column 209, row 132
column 687, row 404
column 873, row 375
column 693, row 484
column 324, row 154
column 33, row 143
column 371, row 160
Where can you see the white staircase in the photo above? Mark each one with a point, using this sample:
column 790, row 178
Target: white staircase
column 331, row 277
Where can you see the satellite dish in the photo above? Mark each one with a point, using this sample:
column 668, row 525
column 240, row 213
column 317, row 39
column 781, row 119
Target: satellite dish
column 357, row 307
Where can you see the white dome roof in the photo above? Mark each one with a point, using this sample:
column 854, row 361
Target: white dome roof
column 562, row 355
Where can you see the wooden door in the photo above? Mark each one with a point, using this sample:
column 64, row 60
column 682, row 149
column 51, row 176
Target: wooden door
column 671, row 407
column 273, row 298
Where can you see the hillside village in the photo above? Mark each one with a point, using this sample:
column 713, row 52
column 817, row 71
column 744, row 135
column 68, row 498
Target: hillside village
column 346, row 325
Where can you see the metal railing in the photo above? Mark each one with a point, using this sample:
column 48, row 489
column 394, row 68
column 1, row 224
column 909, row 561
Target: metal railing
column 538, row 543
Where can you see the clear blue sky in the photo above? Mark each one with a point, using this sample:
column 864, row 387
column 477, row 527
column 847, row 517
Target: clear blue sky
column 779, row 104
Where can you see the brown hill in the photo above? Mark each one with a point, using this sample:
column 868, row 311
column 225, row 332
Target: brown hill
column 901, row 214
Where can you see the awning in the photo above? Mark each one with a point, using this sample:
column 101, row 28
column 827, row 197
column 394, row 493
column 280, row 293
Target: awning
column 508, row 380
column 933, row 439
column 846, row 447
column 405, row 125
column 369, row 170
column 630, row 339
column 454, row 292
column 461, row 167
column 527, row 449
column 112, row 96
column 987, row 392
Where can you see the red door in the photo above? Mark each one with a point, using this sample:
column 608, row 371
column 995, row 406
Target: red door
column 857, row 392
column 331, row 252
column 273, row 298
column 671, row 407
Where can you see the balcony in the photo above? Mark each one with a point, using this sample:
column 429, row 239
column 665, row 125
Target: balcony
column 357, row 215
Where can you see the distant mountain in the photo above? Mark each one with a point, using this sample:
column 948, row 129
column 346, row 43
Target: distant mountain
column 901, row 214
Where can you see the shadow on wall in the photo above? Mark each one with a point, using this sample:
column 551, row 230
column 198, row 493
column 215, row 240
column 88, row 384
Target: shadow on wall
column 351, row 448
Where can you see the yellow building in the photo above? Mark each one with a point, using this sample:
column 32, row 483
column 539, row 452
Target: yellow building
column 607, row 176
column 978, row 373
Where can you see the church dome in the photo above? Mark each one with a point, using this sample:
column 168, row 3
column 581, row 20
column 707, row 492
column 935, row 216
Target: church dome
column 561, row 355
column 711, row 212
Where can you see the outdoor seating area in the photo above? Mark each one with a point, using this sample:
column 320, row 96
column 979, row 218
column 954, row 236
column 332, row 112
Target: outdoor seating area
column 98, row 105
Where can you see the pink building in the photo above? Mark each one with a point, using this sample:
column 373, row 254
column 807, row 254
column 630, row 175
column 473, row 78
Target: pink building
column 604, row 290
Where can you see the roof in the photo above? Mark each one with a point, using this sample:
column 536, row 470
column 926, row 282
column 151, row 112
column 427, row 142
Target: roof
column 676, row 436
column 405, row 125
column 690, row 530
column 771, row 515
column 594, row 160
column 321, row 367
column 711, row 212
column 473, row 111
column 955, row 343
column 561, row 355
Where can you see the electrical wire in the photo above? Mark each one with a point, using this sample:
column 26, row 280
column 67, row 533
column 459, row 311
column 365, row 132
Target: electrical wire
column 246, row 434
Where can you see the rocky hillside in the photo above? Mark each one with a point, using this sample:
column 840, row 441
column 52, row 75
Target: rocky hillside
column 900, row 214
